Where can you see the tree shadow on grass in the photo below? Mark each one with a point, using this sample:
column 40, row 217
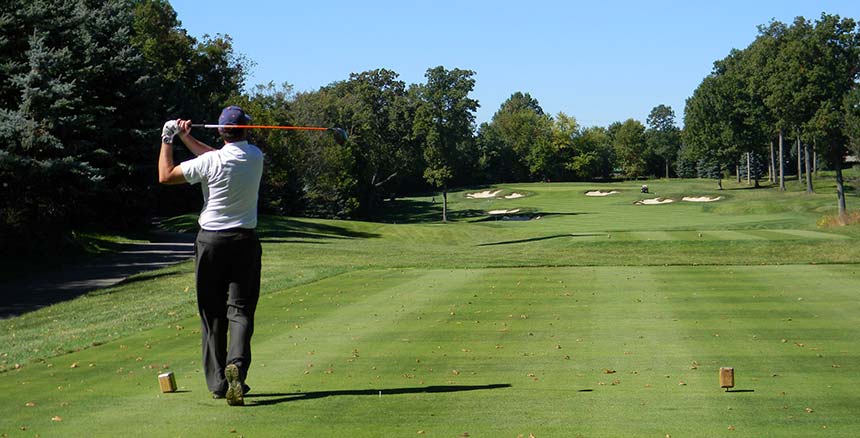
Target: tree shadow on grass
column 537, row 239
column 411, row 211
column 273, row 399
column 276, row 228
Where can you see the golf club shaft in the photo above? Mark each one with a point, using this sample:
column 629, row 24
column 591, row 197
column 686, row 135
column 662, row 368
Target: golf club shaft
column 294, row 128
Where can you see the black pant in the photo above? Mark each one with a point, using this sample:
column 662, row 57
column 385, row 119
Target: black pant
column 228, row 288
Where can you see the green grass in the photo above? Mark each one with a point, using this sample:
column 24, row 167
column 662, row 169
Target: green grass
column 601, row 318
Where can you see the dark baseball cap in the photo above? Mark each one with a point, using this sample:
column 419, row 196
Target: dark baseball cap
column 233, row 115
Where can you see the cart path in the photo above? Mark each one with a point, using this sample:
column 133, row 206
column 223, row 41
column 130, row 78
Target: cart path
column 24, row 295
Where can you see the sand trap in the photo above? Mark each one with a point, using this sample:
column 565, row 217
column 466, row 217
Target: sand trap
column 600, row 193
column 654, row 201
column 516, row 210
column 701, row 198
column 515, row 196
column 483, row 195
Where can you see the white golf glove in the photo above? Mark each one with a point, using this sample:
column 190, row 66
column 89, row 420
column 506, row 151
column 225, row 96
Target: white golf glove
column 171, row 128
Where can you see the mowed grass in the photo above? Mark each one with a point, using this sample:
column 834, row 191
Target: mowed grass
column 601, row 318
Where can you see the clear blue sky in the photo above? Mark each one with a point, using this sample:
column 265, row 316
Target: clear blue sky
column 599, row 61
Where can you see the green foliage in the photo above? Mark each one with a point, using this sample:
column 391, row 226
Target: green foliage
column 593, row 155
column 519, row 142
column 851, row 107
column 628, row 140
column 80, row 82
column 444, row 122
column 663, row 138
column 793, row 79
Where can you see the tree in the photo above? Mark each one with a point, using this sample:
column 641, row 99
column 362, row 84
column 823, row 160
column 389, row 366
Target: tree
column 444, row 121
column 663, row 136
column 381, row 133
column 68, row 104
column 851, row 109
column 628, row 140
column 591, row 155
column 518, row 141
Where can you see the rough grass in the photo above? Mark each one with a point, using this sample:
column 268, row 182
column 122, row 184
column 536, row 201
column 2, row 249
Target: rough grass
column 601, row 318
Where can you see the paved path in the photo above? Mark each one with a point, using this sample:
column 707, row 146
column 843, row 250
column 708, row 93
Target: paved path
column 36, row 291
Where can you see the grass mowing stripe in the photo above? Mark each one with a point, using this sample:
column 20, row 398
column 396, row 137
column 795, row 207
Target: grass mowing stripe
column 547, row 332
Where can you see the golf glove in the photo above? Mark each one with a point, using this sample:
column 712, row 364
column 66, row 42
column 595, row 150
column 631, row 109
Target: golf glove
column 171, row 128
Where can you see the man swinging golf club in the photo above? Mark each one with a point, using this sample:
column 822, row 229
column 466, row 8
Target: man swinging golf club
column 227, row 250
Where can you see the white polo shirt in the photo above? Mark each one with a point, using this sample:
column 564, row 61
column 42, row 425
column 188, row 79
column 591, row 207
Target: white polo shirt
column 230, row 179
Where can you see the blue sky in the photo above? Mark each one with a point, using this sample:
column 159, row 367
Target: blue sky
column 599, row 61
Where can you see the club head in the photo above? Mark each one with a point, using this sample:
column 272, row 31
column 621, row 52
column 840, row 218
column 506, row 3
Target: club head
column 339, row 134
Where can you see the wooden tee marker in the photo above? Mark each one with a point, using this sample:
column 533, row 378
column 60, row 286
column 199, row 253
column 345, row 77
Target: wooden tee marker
column 167, row 382
column 727, row 378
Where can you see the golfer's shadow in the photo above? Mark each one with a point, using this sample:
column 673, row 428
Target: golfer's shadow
column 299, row 396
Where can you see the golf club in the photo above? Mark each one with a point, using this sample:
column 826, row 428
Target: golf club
column 339, row 134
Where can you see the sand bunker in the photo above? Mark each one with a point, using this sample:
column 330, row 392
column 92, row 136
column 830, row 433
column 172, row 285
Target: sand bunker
column 515, row 196
column 600, row 193
column 701, row 198
column 483, row 195
column 516, row 210
column 654, row 201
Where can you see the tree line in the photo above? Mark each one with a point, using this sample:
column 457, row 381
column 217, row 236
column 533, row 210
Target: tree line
column 85, row 86
column 791, row 96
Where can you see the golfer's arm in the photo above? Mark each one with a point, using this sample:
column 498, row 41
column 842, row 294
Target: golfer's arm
column 168, row 172
column 194, row 145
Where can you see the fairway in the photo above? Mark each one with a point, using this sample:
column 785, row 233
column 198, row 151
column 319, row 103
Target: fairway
column 596, row 317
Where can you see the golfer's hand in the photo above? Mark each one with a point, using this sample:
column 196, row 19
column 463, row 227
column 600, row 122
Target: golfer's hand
column 170, row 129
column 184, row 127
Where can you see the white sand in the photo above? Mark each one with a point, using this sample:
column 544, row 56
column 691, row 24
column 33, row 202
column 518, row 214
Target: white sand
column 701, row 198
column 483, row 195
column 516, row 210
column 599, row 193
column 654, row 201
column 515, row 196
